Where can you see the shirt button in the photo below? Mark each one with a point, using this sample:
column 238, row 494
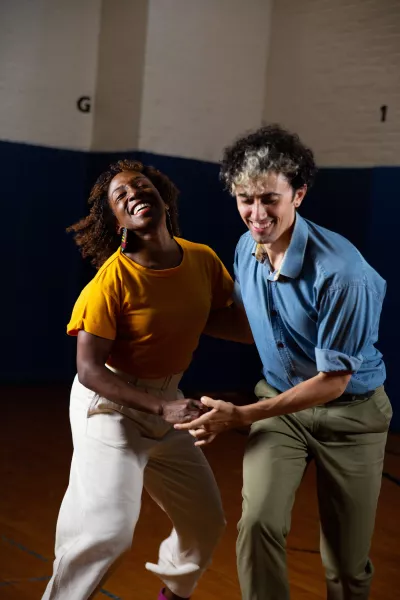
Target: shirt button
column 273, row 313
column 280, row 345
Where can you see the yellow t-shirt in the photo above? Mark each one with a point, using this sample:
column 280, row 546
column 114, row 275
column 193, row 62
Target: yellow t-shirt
column 154, row 317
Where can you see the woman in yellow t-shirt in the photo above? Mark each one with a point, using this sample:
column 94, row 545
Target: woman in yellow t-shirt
column 137, row 324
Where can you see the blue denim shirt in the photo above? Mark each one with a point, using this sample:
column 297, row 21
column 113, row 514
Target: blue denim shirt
column 319, row 314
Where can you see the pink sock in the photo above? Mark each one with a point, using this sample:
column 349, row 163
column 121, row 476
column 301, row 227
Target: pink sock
column 161, row 595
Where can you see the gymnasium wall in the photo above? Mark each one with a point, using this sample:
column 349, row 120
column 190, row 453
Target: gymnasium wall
column 48, row 54
column 169, row 82
column 338, row 67
column 204, row 77
column 117, row 101
column 172, row 82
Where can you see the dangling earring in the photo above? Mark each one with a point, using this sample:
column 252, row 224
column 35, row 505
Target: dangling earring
column 169, row 223
column 124, row 239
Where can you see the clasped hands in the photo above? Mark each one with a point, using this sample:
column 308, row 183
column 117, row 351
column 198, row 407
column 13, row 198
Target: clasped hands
column 204, row 419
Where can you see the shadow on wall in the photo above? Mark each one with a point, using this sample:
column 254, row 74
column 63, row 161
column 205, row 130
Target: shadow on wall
column 45, row 190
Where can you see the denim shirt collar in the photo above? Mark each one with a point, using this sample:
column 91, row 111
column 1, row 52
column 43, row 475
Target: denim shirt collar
column 294, row 258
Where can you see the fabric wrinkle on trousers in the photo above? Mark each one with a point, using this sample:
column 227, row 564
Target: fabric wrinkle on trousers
column 347, row 441
column 117, row 452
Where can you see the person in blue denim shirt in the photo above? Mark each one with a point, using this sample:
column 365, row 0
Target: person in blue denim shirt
column 313, row 304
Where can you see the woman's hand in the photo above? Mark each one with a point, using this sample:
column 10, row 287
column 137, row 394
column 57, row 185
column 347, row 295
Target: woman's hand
column 182, row 411
column 220, row 416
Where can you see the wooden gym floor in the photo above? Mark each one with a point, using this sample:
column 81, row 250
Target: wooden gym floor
column 35, row 456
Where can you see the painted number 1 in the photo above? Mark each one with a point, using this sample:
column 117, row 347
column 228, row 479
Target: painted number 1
column 383, row 113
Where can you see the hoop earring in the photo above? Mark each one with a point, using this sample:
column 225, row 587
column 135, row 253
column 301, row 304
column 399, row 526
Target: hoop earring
column 124, row 239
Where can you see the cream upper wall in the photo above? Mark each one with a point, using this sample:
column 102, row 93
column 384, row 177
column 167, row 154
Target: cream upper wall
column 204, row 74
column 184, row 77
column 48, row 56
column 332, row 65
column 119, row 77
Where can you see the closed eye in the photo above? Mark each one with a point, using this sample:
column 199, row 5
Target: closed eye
column 270, row 199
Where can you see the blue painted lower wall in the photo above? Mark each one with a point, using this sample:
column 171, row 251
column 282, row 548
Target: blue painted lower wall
column 44, row 190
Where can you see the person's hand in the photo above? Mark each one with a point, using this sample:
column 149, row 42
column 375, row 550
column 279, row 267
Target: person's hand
column 221, row 417
column 182, row 411
column 205, row 438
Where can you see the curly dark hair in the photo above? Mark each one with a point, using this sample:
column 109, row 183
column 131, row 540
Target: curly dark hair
column 96, row 234
column 269, row 148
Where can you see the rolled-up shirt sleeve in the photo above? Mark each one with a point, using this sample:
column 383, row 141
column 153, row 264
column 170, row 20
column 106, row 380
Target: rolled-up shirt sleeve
column 347, row 321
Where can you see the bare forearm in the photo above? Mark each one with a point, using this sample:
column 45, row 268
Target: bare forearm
column 229, row 324
column 107, row 384
column 318, row 390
